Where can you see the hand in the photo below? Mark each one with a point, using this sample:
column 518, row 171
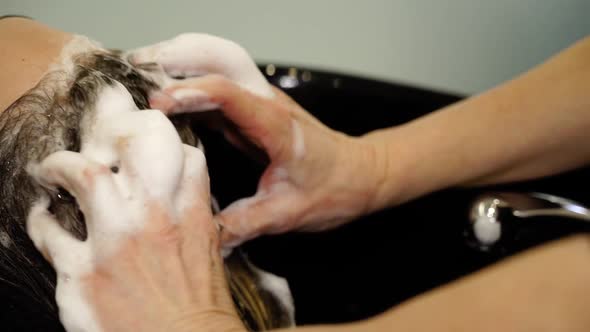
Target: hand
column 317, row 178
column 151, row 261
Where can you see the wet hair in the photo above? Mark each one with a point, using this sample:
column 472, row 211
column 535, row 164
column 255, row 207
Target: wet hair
column 46, row 120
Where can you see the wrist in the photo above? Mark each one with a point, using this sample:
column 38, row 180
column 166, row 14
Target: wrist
column 214, row 320
column 389, row 176
column 377, row 172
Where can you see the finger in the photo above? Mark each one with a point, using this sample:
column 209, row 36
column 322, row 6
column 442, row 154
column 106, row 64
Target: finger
column 283, row 97
column 90, row 183
column 193, row 206
column 251, row 217
column 182, row 101
column 196, row 54
column 57, row 245
column 264, row 121
column 194, row 191
column 219, row 90
column 201, row 247
column 152, row 160
column 235, row 138
column 84, row 179
column 146, row 54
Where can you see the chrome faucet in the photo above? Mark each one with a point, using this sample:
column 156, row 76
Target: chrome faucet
column 492, row 215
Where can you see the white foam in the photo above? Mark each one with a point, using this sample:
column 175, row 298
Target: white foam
column 66, row 61
column 197, row 54
column 145, row 144
column 5, row 240
column 152, row 164
column 280, row 288
column 298, row 141
column 151, row 160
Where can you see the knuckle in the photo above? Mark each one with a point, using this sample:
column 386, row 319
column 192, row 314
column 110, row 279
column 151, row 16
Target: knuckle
column 215, row 241
column 169, row 237
column 208, row 231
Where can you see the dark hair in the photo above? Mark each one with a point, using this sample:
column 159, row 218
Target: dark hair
column 46, row 120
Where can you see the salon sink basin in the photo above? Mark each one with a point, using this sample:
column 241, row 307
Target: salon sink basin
column 383, row 259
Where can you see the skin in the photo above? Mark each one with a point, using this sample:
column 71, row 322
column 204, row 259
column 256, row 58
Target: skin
column 33, row 48
column 541, row 290
column 547, row 287
column 301, row 189
column 529, row 127
column 121, row 262
column 526, row 128
column 535, row 123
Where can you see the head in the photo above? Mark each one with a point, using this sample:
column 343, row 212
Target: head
column 49, row 81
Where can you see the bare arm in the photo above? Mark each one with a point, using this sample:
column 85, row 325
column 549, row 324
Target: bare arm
column 529, row 127
column 545, row 289
column 535, row 125
column 526, row 128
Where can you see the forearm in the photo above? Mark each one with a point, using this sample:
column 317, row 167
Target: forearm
column 533, row 126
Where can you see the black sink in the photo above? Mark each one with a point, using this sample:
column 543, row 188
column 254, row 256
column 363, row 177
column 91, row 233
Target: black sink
column 375, row 263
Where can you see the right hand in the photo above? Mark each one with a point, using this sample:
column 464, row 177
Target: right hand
column 317, row 178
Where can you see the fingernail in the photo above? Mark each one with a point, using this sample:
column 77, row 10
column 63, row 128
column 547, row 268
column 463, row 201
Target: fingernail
column 189, row 93
column 194, row 100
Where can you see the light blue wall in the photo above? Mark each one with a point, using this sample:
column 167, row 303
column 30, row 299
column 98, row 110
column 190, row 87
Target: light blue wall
column 456, row 45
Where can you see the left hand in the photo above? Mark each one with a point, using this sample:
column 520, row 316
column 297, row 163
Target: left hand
column 151, row 261
column 301, row 187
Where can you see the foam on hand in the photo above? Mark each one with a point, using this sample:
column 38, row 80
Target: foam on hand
column 128, row 160
column 198, row 54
